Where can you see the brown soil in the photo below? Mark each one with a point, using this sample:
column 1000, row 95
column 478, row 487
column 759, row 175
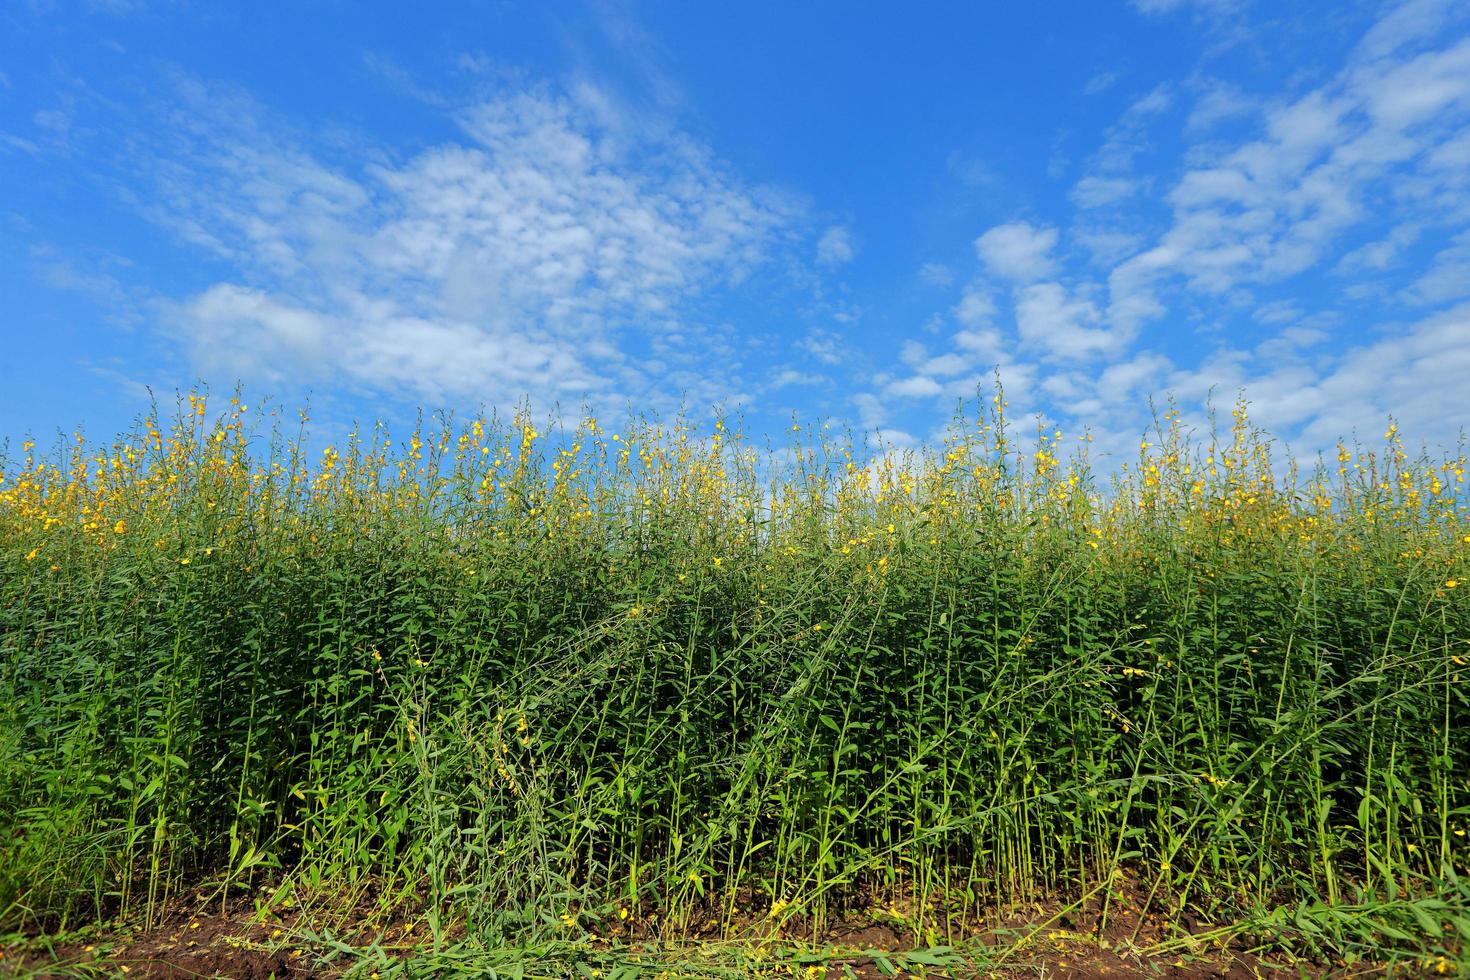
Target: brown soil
column 185, row 946
column 197, row 942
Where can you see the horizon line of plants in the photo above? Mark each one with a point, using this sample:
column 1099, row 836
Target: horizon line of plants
column 653, row 681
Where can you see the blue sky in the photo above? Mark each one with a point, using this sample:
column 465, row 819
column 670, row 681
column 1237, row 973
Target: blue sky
column 858, row 212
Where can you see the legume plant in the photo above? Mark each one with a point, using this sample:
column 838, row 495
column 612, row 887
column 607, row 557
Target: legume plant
column 523, row 683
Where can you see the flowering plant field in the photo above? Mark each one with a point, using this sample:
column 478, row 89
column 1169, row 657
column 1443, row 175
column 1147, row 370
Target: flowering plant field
column 522, row 682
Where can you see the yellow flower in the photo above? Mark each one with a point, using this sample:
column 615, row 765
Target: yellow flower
column 623, row 914
column 183, row 561
column 1452, row 583
column 119, row 527
column 717, row 562
column 33, row 553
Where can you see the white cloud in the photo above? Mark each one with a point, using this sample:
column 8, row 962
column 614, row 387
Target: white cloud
column 872, row 410
column 1152, row 102
column 1141, row 373
column 1018, row 251
column 1406, row 373
column 237, row 331
column 1063, row 326
column 936, row 274
column 1110, row 173
column 1220, row 102
column 89, row 278
column 945, row 365
column 1096, row 192
column 638, row 48
column 1108, row 245
column 1404, row 24
column 970, row 170
column 1448, row 277
column 1100, row 82
column 57, row 121
column 1402, row 95
column 1173, row 6
column 1380, row 255
column 975, row 308
column 918, row 386
column 1273, row 206
column 1354, row 175
column 1277, row 311
column 985, row 346
column 835, row 247
column 912, row 352
column 825, row 345
column 13, row 142
column 533, row 256
column 792, row 378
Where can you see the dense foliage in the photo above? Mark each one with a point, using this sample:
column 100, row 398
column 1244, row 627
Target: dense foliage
column 523, row 683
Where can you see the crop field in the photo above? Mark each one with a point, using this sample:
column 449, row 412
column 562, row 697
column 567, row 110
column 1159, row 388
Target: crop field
column 501, row 691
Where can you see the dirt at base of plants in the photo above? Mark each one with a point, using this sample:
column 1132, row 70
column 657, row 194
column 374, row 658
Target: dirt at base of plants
column 196, row 941
column 187, row 943
column 238, row 950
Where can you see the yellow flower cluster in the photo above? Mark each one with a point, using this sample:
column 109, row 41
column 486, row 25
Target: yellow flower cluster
column 201, row 483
